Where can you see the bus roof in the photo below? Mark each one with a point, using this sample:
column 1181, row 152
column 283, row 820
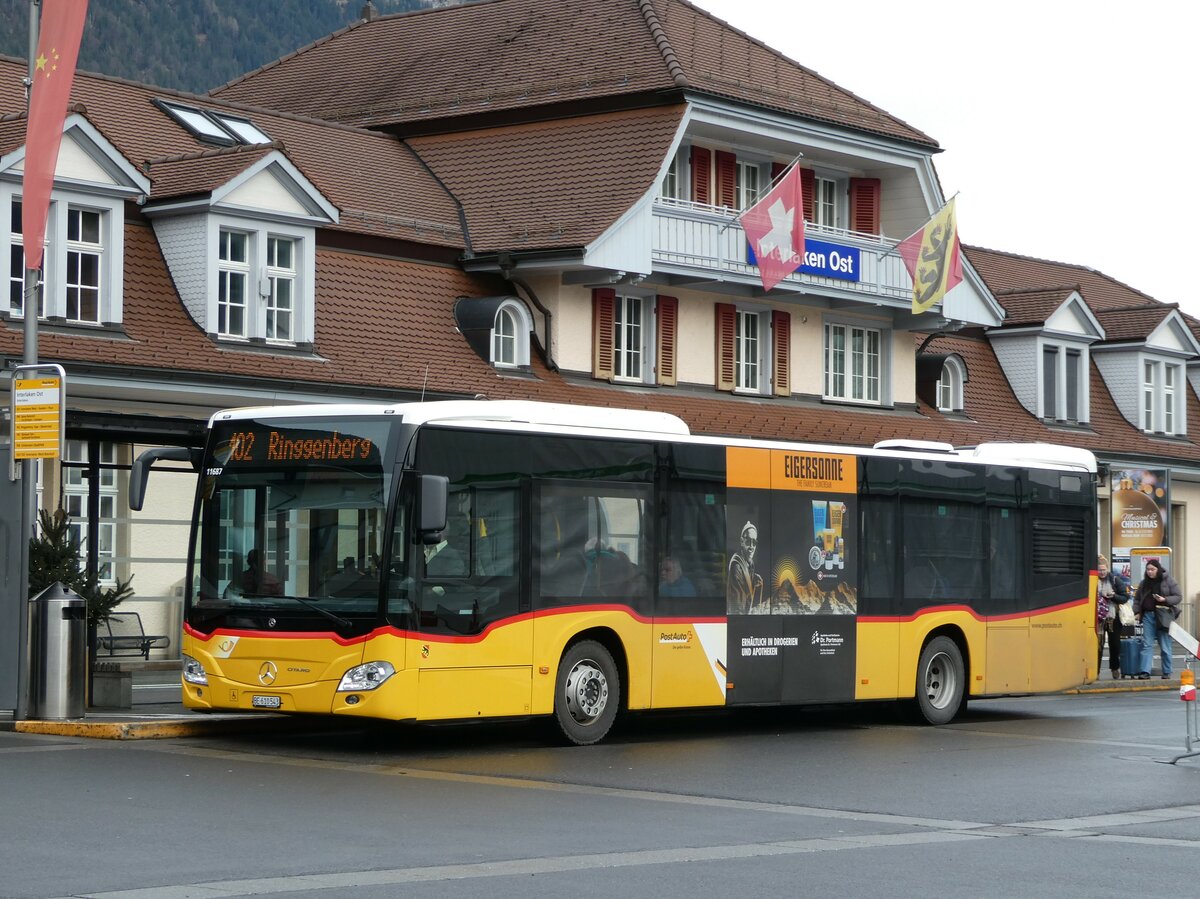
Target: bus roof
column 561, row 418
column 482, row 412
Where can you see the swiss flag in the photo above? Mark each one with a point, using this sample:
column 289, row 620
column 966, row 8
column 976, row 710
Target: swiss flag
column 53, row 72
column 775, row 228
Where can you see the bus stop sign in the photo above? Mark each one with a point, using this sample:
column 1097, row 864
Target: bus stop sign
column 39, row 412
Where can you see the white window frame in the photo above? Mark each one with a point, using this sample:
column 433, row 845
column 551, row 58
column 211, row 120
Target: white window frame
column 950, row 387
column 748, row 184
column 1059, row 405
column 282, row 280
column 861, row 372
column 75, row 498
column 1163, row 409
column 233, row 267
column 752, row 352
column 670, row 182
column 633, row 340
column 829, row 200
column 516, row 315
column 262, row 279
column 110, row 250
column 78, row 250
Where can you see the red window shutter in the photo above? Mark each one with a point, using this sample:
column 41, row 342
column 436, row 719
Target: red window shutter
column 603, row 300
column 701, row 174
column 864, row 205
column 808, row 190
column 667, row 318
column 776, row 170
column 726, row 180
column 781, row 362
column 726, row 332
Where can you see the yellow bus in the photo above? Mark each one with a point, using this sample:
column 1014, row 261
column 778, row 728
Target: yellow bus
column 481, row 559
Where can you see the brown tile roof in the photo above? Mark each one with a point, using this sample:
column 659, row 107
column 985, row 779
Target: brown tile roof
column 997, row 415
column 202, row 173
column 487, row 57
column 375, row 181
column 1009, row 271
column 1134, row 322
column 718, row 58
column 1032, row 306
column 552, row 184
column 12, row 132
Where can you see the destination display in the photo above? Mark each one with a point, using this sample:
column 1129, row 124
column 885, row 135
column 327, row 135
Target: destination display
column 285, row 444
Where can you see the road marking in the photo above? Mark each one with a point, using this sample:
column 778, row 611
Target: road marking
column 346, row 880
column 522, row 866
column 924, row 831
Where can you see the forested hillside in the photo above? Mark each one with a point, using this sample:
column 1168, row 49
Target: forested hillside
column 193, row 45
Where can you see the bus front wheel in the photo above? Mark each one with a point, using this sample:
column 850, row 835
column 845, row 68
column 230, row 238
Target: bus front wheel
column 587, row 694
column 941, row 681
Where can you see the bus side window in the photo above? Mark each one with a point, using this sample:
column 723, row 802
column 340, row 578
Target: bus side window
column 879, row 550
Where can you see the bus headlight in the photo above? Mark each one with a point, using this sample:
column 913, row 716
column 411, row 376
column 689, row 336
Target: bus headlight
column 193, row 671
column 366, row 677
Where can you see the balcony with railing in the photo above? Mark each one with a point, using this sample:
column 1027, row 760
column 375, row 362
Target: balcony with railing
column 695, row 240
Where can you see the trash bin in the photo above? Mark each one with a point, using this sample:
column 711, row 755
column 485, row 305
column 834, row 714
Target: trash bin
column 59, row 679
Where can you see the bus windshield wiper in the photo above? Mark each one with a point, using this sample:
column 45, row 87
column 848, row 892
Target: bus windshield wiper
column 335, row 618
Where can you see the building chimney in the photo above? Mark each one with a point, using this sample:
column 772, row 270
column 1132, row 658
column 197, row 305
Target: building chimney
column 369, row 11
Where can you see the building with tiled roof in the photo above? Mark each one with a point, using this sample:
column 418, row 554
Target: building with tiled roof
column 352, row 223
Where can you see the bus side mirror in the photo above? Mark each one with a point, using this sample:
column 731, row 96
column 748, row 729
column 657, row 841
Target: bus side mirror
column 431, row 521
column 140, row 470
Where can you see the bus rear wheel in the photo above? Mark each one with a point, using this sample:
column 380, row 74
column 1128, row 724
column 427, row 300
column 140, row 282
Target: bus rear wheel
column 587, row 693
column 941, row 681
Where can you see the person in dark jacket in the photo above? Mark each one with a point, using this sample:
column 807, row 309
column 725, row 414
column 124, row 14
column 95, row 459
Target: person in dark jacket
column 1157, row 589
column 1112, row 587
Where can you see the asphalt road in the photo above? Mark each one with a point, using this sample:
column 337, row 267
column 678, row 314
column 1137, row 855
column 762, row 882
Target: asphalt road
column 1060, row 795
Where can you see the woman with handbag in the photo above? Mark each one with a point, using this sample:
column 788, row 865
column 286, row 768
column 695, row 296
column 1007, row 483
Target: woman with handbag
column 1156, row 602
column 1111, row 593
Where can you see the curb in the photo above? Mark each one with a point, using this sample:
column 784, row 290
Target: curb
column 156, row 729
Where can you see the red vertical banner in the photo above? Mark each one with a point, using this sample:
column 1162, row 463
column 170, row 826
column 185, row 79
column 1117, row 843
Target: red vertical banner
column 53, row 72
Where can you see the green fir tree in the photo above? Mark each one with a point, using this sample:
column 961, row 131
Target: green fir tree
column 54, row 557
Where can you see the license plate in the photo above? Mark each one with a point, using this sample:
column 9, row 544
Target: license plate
column 265, row 702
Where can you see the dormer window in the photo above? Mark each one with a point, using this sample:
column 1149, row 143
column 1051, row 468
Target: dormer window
column 214, row 127
column 259, row 284
column 1064, row 394
column 81, row 276
column 510, row 335
column 1162, row 411
column 950, row 386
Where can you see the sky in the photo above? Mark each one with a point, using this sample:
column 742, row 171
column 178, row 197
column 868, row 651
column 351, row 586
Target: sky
column 1067, row 127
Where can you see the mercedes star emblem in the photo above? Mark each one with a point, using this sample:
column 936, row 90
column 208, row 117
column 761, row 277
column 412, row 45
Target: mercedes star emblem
column 267, row 674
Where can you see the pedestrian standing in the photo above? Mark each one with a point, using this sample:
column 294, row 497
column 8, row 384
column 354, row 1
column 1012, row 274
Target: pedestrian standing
column 1111, row 591
column 1156, row 603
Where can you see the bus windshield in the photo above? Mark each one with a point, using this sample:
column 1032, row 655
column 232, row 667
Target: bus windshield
column 291, row 525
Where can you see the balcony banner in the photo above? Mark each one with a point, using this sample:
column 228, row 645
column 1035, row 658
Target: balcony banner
column 1141, row 505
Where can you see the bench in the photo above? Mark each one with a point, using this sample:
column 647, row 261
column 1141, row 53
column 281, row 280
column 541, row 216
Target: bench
column 122, row 635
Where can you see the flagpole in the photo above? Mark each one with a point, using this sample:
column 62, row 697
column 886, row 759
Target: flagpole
column 770, row 185
column 28, row 466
